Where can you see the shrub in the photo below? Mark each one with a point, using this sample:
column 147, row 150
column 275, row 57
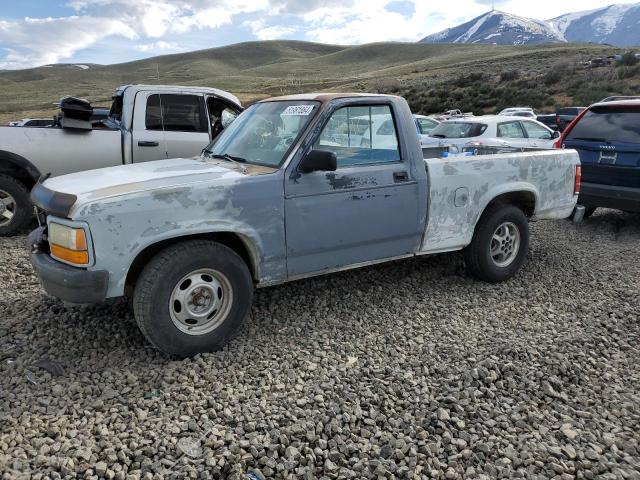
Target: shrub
column 509, row 76
column 628, row 59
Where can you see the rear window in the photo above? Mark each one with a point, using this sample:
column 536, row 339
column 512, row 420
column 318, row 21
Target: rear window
column 606, row 125
column 458, row 130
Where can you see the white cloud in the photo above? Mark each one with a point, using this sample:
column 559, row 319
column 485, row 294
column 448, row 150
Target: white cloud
column 37, row 41
column 263, row 32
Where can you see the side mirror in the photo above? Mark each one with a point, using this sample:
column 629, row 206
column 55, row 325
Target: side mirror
column 319, row 161
column 556, row 134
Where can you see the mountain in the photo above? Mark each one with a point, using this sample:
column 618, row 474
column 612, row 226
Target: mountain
column 616, row 25
column 498, row 28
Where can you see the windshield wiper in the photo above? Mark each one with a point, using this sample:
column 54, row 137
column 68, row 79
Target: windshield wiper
column 438, row 135
column 230, row 158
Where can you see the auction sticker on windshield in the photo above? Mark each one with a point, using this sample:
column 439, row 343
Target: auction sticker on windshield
column 300, row 110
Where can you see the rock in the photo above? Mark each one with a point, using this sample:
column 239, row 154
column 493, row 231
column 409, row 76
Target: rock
column 443, row 414
column 409, row 369
column 101, row 469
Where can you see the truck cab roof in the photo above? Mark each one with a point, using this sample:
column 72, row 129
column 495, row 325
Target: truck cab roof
column 175, row 89
column 324, row 97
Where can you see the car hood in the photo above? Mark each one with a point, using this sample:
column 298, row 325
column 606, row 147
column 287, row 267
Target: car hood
column 95, row 185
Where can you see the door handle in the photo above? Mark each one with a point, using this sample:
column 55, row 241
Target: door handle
column 400, row 177
column 148, row 144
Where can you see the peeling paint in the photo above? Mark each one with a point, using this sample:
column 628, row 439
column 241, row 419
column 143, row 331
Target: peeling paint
column 546, row 175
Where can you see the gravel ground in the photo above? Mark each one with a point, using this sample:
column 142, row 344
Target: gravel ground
column 405, row 370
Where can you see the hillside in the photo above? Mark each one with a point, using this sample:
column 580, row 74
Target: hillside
column 259, row 69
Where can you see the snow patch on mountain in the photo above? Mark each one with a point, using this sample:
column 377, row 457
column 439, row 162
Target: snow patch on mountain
column 616, row 24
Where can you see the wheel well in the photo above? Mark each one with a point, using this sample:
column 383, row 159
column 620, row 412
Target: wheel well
column 524, row 200
column 232, row 240
column 18, row 168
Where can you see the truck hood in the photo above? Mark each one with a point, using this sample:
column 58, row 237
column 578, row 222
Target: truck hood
column 58, row 195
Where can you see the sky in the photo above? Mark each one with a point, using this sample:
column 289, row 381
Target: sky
column 40, row 32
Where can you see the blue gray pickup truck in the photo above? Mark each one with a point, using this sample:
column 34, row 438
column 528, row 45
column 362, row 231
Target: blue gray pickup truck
column 297, row 186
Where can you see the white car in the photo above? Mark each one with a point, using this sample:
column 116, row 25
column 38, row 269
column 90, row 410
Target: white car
column 425, row 126
column 512, row 110
column 524, row 114
column 493, row 132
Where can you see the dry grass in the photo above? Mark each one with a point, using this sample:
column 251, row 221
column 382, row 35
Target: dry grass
column 256, row 70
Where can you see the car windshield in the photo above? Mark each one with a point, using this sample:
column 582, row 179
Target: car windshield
column 264, row 133
column 458, row 130
column 619, row 125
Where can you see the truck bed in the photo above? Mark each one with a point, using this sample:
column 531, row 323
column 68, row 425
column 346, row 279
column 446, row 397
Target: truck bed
column 460, row 188
column 59, row 151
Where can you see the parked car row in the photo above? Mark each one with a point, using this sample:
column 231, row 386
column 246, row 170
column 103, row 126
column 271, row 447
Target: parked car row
column 606, row 136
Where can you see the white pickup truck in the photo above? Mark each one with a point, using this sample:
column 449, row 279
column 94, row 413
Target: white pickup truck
column 146, row 122
column 293, row 188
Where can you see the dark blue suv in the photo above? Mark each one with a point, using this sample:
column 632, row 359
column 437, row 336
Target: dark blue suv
column 607, row 137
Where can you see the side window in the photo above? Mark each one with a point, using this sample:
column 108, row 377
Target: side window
column 510, row 130
column 536, row 131
column 426, row 126
column 177, row 113
column 360, row 135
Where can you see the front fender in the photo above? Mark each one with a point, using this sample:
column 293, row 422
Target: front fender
column 183, row 231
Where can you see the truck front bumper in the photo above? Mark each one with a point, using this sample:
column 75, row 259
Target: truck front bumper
column 65, row 282
column 610, row 196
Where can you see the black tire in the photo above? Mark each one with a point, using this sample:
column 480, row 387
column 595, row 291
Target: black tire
column 478, row 256
column 21, row 208
column 165, row 273
column 589, row 211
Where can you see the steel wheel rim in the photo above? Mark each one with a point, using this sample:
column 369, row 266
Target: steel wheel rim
column 7, row 208
column 201, row 301
column 505, row 244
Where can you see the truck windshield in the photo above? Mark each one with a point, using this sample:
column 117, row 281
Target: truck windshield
column 265, row 132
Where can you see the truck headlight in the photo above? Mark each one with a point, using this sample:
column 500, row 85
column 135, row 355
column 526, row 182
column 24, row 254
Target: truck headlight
column 68, row 244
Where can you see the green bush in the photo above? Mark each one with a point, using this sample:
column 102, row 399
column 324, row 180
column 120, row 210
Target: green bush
column 628, row 59
column 509, row 75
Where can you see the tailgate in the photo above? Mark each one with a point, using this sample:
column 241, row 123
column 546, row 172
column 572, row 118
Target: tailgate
column 609, row 164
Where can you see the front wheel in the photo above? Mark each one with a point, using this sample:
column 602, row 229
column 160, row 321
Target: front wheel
column 15, row 206
column 500, row 243
column 192, row 297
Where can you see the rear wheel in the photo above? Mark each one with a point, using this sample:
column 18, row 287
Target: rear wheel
column 589, row 211
column 15, row 206
column 192, row 297
column 500, row 243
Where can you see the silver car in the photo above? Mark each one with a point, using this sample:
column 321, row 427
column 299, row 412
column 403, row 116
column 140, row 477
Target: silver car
column 499, row 132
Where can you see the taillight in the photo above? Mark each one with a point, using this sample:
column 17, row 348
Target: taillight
column 577, row 183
